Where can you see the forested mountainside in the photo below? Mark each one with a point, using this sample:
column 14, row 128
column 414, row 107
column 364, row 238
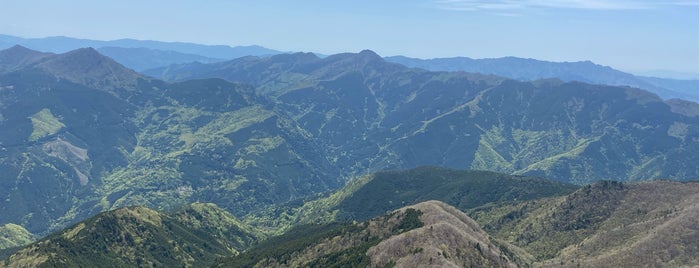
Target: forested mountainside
column 374, row 194
column 81, row 134
column 387, row 115
column 72, row 148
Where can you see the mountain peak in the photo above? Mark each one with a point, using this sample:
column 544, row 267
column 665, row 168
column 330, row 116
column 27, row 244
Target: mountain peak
column 88, row 51
column 18, row 56
column 84, row 56
column 368, row 52
column 369, row 55
column 354, row 60
column 17, row 49
column 88, row 67
column 298, row 57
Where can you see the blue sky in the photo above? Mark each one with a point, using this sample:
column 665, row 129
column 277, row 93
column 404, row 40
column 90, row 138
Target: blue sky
column 628, row 35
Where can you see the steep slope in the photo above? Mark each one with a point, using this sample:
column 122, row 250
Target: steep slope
column 462, row 189
column 430, row 234
column 57, row 137
column 80, row 134
column 531, row 69
column 13, row 236
column 448, row 238
column 372, row 115
column 137, row 236
column 87, row 67
column 378, row 193
column 213, row 141
column 606, row 224
column 355, row 105
column 655, row 224
column 18, row 57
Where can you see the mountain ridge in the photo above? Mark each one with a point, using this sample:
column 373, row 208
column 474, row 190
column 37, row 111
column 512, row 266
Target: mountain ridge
column 140, row 59
column 529, row 69
column 532, row 69
column 375, row 194
column 110, row 74
column 62, row 44
column 138, row 236
column 17, row 57
column 390, row 105
column 141, row 54
column 605, row 224
column 429, row 234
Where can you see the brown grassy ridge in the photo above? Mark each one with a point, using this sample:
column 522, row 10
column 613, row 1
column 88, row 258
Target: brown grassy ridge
column 656, row 224
column 448, row 238
column 606, row 224
column 428, row 234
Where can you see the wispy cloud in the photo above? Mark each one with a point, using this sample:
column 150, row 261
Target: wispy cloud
column 686, row 3
column 511, row 5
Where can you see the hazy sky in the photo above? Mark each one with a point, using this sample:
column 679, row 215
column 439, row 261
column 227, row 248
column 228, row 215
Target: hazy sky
column 624, row 34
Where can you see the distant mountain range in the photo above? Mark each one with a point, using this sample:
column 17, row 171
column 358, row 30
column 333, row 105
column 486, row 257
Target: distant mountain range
column 583, row 71
column 141, row 59
column 144, row 55
column 140, row 54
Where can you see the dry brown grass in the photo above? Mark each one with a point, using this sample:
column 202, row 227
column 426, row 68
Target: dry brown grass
column 449, row 238
column 657, row 224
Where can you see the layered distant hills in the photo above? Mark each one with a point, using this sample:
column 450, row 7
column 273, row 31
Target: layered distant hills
column 140, row 54
column 144, row 55
column 271, row 141
column 584, row 71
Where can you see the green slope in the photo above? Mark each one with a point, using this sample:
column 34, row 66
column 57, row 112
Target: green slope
column 378, row 193
column 372, row 115
column 462, row 189
column 136, row 236
column 13, row 236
